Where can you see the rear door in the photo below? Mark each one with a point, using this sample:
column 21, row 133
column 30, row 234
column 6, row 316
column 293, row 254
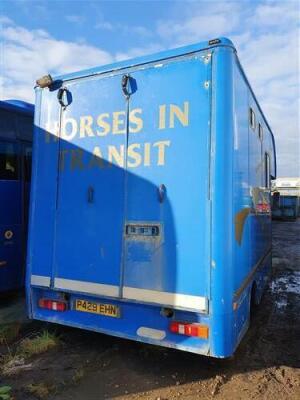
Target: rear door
column 132, row 205
column 166, row 241
column 90, row 200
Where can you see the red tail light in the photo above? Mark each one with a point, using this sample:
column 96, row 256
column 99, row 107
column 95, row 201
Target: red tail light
column 54, row 305
column 184, row 328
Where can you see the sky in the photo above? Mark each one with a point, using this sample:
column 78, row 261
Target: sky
column 51, row 36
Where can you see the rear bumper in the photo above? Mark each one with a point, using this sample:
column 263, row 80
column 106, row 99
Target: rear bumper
column 139, row 322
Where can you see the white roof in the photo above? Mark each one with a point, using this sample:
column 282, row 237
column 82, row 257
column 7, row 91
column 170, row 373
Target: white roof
column 287, row 182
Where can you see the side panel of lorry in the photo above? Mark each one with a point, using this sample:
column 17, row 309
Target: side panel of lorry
column 252, row 219
column 241, row 235
column 242, row 209
column 222, row 236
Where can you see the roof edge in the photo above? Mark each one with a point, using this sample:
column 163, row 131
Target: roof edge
column 18, row 106
column 222, row 41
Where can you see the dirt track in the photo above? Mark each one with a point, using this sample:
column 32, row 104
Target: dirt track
column 89, row 366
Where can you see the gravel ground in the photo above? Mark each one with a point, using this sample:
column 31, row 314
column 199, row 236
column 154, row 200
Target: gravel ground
column 90, row 366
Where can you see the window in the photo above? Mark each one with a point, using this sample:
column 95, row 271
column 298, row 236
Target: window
column 267, row 172
column 8, row 161
column 252, row 119
column 260, row 132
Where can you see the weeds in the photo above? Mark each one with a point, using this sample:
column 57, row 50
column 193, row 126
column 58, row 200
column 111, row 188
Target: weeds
column 39, row 344
column 39, row 390
column 5, row 393
column 79, row 374
column 15, row 361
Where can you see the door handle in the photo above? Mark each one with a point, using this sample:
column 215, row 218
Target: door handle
column 161, row 190
column 90, row 194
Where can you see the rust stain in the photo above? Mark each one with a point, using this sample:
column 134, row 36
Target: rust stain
column 239, row 221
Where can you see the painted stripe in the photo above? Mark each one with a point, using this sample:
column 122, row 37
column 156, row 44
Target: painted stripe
column 149, row 296
column 251, row 274
column 39, row 280
column 86, row 287
column 166, row 298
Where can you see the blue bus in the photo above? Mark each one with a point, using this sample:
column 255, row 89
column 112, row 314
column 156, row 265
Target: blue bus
column 150, row 212
column 16, row 126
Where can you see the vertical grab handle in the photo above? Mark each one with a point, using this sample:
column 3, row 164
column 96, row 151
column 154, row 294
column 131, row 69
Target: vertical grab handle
column 161, row 191
column 90, row 194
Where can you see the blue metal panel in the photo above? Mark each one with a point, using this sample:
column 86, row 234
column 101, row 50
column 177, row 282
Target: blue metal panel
column 287, row 208
column 15, row 131
column 11, row 257
column 222, row 238
column 256, row 183
column 241, row 190
column 11, row 249
column 43, row 185
column 178, row 260
column 133, row 317
column 260, row 221
column 90, row 202
column 18, row 106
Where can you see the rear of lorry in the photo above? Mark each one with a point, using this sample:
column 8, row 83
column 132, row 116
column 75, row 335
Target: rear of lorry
column 123, row 189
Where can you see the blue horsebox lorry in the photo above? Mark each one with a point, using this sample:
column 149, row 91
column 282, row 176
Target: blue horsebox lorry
column 150, row 213
column 16, row 125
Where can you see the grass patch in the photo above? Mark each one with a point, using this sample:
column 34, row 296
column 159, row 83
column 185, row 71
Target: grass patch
column 39, row 390
column 38, row 344
column 16, row 359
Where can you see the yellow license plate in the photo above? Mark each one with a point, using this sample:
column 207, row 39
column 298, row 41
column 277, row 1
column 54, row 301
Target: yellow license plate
column 110, row 310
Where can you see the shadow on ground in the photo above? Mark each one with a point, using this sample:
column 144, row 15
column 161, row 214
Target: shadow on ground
column 92, row 366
